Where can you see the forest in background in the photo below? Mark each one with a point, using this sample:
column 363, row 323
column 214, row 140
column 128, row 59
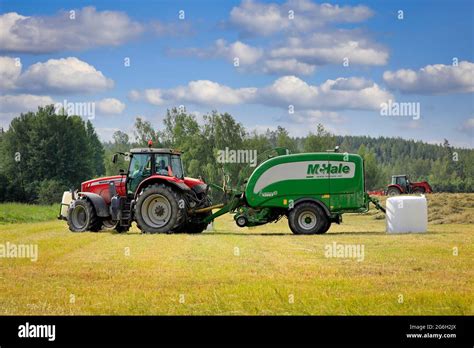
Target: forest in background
column 43, row 154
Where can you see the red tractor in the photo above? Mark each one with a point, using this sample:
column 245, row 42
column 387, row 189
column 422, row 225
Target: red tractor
column 154, row 193
column 400, row 184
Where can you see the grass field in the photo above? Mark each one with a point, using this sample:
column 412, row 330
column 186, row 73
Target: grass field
column 264, row 270
column 17, row 212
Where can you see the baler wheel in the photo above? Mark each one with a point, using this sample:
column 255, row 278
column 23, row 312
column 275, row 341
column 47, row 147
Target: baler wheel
column 308, row 218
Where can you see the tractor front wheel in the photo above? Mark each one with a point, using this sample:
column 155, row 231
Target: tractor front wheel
column 81, row 217
column 308, row 218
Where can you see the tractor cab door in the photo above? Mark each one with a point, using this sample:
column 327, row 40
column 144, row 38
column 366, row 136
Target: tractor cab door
column 140, row 169
column 402, row 182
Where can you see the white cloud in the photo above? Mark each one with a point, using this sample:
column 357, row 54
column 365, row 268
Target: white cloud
column 299, row 55
column 173, row 29
column 209, row 92
column 110, row 106
column 342, row 93
column 10, row 70
column 332, row 94
column 106, row 133
column 253, row 18
column 308, row 41
column 468, row 126
column 318, row 116
column 332, row 48
column 287, row 66
column 62, row 76
column 12, row 105
column 433, row 79
column 23, row 102
column 246, row 54
column 42, row 34
column 151, row 96
column 202, row 92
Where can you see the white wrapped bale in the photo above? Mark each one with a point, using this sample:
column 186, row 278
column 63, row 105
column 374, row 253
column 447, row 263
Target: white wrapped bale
column 407, row 214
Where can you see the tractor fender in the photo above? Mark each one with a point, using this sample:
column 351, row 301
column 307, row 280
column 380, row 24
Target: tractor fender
column 98, row 202
column 318, row 202
column 180, row 186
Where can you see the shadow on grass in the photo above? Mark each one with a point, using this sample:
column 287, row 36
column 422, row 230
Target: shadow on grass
column 247, row 234
column 291, row 234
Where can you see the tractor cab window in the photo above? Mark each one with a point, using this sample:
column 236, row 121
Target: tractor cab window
column 402, row 181
column 177, row 166
column 140, row 168
column 162, row 164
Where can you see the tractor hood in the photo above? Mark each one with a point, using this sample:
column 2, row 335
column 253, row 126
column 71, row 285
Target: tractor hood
column 100, row 186
column 117, row 179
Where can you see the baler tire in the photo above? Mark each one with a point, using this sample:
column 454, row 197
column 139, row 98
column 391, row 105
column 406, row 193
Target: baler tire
column 326, row 228
column 419, row 190
column 171, row 197
column 313, row 212
column 91, row 221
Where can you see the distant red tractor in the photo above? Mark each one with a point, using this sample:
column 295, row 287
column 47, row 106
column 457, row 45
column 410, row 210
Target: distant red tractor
column 400, row 185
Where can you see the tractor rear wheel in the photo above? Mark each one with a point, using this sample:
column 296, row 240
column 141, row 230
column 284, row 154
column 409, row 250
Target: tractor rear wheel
column 393, row 191
column 82, row 217
column 158, row 209
column 308, row 218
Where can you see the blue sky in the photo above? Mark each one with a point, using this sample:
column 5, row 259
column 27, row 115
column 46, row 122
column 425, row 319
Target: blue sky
column 426, row 58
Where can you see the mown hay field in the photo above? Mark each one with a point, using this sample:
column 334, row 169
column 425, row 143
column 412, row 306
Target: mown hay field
column 251, row 271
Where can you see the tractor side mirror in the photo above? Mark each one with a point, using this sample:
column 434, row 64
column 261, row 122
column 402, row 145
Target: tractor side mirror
column 114, row 158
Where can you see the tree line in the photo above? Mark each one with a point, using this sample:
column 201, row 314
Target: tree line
column 42, row 154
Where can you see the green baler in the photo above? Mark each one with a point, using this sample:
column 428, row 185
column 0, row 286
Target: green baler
column 312, row 190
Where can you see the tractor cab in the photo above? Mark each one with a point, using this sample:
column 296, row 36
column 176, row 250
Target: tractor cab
column 146, row 162
column 402, row 181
